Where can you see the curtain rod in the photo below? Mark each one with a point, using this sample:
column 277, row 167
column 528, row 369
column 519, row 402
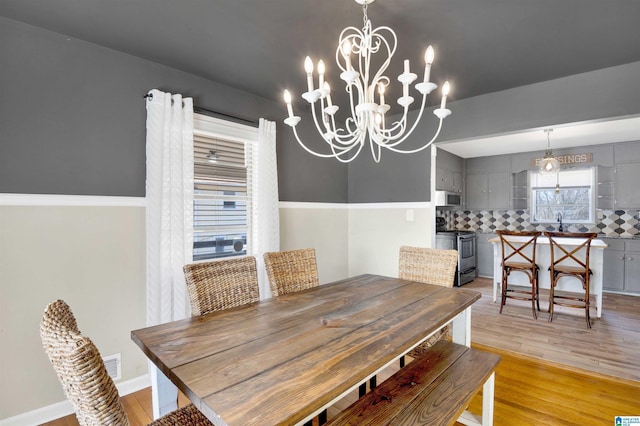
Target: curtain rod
column 217, row 114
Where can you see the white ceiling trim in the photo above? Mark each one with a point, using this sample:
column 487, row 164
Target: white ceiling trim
column 563, row 136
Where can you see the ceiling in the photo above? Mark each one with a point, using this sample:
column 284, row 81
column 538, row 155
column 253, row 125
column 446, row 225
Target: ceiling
column 564, row 136
column 258, row 46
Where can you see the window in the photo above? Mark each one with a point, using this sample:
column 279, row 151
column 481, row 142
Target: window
column 222, row 200
column 570, row 193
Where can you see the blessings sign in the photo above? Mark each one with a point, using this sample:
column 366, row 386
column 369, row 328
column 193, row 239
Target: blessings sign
column 567, row 159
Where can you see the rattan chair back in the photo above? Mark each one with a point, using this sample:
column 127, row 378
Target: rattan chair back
column 428, row 265
column 291, row 271
column 86, row 383
column 80, row 369
column 221, row 284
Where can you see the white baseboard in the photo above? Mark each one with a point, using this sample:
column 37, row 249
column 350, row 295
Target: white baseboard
column 64, row 408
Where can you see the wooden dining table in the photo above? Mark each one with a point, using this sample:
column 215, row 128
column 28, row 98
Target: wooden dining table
column 286, row 359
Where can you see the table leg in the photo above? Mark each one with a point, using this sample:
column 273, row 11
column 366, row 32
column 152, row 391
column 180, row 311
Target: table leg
column 461, row 328
column 164, row 394
column 497, row 269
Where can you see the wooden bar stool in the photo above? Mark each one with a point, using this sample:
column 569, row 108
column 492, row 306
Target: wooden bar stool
column 567, row 250
column 515, row 258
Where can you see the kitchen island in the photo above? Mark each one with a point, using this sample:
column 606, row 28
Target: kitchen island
column 543, row 259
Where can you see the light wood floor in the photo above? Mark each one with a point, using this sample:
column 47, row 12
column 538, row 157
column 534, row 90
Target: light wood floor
column 611, row 347
column 550, row 386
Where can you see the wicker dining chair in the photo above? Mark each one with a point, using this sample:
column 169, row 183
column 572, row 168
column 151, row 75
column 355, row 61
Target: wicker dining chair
column 221, row 284
column 429, row 266
column 291, row 271
column 84, row 378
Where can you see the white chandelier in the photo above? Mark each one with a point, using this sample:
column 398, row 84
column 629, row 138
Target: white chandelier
column 367, row 119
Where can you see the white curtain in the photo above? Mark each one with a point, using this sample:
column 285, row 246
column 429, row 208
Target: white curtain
column 169, row 196
column 265, row 219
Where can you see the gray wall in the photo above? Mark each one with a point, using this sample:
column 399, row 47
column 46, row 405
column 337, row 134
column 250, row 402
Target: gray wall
column 72, row 120
column 602, row 94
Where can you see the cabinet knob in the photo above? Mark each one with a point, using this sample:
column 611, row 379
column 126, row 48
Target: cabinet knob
column 629, row 258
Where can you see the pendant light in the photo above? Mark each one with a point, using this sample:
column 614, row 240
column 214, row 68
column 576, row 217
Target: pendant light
column 549, row 164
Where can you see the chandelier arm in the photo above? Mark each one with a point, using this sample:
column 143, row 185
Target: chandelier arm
column 395, row 131
column 343, row 150
column 310, row 151
column 338, row 156
column 413, row 151
column 348, row 138
column 405, row 135
column 376, row 148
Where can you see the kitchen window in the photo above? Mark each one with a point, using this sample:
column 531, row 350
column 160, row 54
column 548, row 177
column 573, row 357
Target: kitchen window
column 569, row 194
column 222, row 199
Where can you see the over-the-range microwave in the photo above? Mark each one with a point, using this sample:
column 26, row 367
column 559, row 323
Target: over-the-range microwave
column 448, row 199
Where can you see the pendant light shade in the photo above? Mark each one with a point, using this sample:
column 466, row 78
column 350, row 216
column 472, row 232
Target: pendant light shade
column 549, row 164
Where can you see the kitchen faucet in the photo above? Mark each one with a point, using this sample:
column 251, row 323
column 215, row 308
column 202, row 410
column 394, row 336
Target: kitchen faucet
column 560, row 220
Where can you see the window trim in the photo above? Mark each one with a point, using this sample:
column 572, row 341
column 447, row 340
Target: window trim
column 215, row 128
column 592, row 197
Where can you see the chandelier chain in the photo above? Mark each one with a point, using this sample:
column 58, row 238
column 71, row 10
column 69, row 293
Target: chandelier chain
column 365, row 18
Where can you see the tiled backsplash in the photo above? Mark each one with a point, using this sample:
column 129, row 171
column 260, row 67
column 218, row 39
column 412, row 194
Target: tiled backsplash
column 614, row 223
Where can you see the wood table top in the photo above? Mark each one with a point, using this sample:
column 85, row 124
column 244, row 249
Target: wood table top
column 280, row 360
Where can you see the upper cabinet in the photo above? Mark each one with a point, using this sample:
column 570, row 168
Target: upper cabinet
column 627, row 175
column 489, row 191
column 520, row 195
column 488, row 183
column 627, row 178
column 605, row 184
column 491, row 184
column 448, row 172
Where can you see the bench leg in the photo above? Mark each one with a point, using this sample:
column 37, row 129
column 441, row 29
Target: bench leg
column 487, row 400
column 469, row 419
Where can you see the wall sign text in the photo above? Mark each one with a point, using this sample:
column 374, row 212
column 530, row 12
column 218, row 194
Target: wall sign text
column 567, row 159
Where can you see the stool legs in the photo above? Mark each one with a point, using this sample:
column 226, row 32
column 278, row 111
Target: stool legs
column 533, row 280
column 585, row 284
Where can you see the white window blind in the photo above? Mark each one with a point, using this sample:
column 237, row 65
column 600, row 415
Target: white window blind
column 221, row 200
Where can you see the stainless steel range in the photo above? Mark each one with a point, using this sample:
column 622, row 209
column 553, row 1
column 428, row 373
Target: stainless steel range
column 465, row 243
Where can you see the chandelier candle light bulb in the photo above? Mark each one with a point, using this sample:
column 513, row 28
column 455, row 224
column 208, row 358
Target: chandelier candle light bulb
column 366, row 120
column 445, row 93
column 308, row 67
column 429, row 55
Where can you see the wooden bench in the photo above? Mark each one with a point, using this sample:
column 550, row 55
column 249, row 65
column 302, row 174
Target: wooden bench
column 434, row 389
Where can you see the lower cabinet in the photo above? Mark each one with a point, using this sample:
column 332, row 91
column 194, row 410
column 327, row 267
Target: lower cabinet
column 485, row 255
column 621, row 265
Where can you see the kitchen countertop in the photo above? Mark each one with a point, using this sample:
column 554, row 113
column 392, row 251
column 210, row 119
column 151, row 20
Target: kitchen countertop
column 613, row 236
